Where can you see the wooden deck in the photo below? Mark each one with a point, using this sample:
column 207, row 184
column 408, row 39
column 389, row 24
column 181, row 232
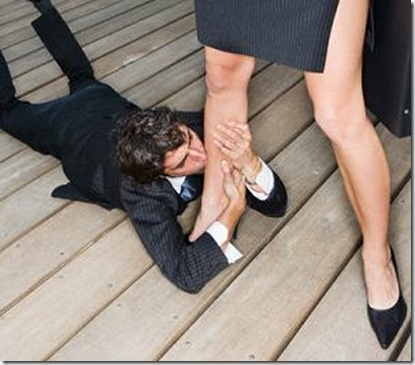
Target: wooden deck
column 76, row 283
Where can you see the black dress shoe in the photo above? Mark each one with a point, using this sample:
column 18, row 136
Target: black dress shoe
column 386, row 323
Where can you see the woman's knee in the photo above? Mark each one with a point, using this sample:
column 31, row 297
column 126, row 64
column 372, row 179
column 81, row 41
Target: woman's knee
column 340, row 123
column 226, row 71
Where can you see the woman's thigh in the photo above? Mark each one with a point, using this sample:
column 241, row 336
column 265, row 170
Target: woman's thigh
column 341, row 81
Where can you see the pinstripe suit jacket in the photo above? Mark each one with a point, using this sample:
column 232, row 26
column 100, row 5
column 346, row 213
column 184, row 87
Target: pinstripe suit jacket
column 153, row 209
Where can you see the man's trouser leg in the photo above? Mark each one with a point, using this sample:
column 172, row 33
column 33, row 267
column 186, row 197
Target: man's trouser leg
column 65, row 49
column 7, row 90
column 23, row 120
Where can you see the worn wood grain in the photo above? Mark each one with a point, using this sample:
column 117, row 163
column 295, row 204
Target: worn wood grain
column 20, row 29
column 34, row 50
column 338, row 329
column 117, row 60
column 21, row 169
column 9, row 146
column 89, row 290
column 48, row 247
column 10, row 10
column 50, row 71
column 274, row 295
column 45, row 318
column 406, row 353
column 29, row 206
column 146, row 339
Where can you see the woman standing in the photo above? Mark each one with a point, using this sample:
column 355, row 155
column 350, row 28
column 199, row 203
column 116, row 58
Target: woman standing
column 324, row 38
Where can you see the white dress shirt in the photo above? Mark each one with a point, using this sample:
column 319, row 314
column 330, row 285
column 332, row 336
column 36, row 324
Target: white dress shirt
column 218, row 231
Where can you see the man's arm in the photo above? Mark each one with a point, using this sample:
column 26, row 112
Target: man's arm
column 189, row 265
column 266, row 192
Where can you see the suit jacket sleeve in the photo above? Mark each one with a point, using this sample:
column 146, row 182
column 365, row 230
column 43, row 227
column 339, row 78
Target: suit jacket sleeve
column 154, row 217
column 276, row 203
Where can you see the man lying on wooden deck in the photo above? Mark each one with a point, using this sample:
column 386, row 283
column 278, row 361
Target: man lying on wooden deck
column 145, row 161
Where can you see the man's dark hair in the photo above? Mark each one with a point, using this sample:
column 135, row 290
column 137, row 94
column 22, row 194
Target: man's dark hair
column 143, row 137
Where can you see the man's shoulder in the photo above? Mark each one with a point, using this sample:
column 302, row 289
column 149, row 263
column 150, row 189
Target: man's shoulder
column 157, row 200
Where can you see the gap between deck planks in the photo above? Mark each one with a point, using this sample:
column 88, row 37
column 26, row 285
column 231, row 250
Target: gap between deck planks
column 142, row 338
column 183, row 23
column 337, row 329
column 158, row 81
column 301, row 121
column 19, row 30
column 13, row 146
column 274, row 295
column 406, row 353
column 157, row 277
column 87, row 29
column 289, row 74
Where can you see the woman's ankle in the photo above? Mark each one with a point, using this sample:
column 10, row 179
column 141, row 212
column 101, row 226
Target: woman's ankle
column 378, row 258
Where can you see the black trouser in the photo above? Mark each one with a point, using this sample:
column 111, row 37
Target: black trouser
column 31, row 123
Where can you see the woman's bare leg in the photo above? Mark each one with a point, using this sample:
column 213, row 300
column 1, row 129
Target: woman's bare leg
column 227, row 79
column 340, row 111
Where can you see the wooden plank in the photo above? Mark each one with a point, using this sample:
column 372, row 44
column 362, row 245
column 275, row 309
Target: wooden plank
column 21, row 169
column 327, row 334
column 9, row 146
column 140, row 70
column 36, row 55
column 193, row 96
column 51, row 71
column 406, row 353
column 40, row 265
column 274, row 294
column 135, row 72
column 142, row 338
column 184, row 73
column 20, row 30
column 29, row 206
column 183, row 47
column 50, row 246
column 12, row 10
column 110, row 264
column 161, row 86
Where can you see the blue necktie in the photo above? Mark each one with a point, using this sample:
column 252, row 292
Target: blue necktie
column 191, row 188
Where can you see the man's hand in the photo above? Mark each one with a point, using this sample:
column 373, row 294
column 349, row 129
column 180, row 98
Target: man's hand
column 235, row 190
column 234, row 140
column 234, row 187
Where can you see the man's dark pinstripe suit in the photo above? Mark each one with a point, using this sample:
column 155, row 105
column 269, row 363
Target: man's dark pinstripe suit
column 77, row 129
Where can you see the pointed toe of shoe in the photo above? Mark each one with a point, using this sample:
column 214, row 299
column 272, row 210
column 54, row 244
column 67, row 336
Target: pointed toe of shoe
column 386, row 323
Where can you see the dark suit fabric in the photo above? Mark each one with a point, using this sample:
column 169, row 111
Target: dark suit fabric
column 77, row 129
column 387, row 66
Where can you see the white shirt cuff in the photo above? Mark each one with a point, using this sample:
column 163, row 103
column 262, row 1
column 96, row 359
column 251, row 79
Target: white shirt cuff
column 265, row 180
column 219, row 233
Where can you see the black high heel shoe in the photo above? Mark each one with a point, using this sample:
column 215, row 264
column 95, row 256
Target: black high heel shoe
column 386, row 323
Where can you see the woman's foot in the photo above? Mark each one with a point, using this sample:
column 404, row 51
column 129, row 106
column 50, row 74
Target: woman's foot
column 385, row 318
column 381, row 280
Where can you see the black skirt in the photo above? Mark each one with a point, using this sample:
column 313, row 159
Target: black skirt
column 294, row 33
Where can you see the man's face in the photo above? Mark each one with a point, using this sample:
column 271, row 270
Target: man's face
column 188, row 159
